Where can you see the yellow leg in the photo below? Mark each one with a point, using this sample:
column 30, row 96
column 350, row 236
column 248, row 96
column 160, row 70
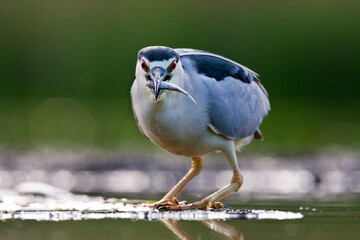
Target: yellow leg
column 175, row 191
column 235, row 184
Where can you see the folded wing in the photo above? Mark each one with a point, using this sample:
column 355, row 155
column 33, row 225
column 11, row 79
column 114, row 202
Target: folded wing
column 237, row 100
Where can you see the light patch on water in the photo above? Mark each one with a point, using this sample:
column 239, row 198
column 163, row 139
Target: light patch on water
column 42, row 202
column 276, row 215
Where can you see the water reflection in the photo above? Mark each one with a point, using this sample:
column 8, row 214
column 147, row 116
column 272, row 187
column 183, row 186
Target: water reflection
column 216, row 225
column 175, row 227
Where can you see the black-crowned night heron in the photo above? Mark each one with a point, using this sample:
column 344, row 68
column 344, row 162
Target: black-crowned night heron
column 191, row 103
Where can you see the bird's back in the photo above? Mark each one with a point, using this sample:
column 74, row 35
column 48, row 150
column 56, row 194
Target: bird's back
column 237, row 101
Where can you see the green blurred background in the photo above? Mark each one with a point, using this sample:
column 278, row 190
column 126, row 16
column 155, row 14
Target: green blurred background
column 66, row 67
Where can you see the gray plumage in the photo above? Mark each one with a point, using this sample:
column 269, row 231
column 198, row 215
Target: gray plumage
column 236, row 108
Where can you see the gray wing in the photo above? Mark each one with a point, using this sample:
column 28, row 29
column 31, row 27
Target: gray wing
column 237, row 100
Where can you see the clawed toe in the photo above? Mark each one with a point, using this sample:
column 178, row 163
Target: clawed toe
column 177, row 207
column 169, row 206
column 163, row 205
column 198, row 205
column 219, row 206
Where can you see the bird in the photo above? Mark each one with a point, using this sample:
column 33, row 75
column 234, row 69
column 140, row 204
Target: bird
column 191, row 103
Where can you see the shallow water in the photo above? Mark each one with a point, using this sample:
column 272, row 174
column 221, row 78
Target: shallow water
column 328, row 209
column 329, row 220
column 324, row 223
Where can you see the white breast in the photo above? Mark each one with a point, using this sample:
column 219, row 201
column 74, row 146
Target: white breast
column 175, row 123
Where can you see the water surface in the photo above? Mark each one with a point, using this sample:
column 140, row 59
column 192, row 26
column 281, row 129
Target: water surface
column 336, row 220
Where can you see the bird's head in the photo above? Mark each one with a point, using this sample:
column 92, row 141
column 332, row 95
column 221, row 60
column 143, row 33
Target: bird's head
column 159, row 69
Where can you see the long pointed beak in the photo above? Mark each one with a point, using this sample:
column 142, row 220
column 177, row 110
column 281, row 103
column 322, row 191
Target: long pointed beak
column 157, row 74
column 156, row 82
column 168, row 86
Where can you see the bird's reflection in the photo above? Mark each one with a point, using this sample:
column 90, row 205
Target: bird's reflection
column 175, row 227
column 215, row 225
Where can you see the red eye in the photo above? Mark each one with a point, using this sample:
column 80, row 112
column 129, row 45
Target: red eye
column 173, row 66
column 143, row 65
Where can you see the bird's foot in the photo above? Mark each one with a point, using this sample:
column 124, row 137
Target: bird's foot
column 164, row 203
column 171, row 206
column 197, row 205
